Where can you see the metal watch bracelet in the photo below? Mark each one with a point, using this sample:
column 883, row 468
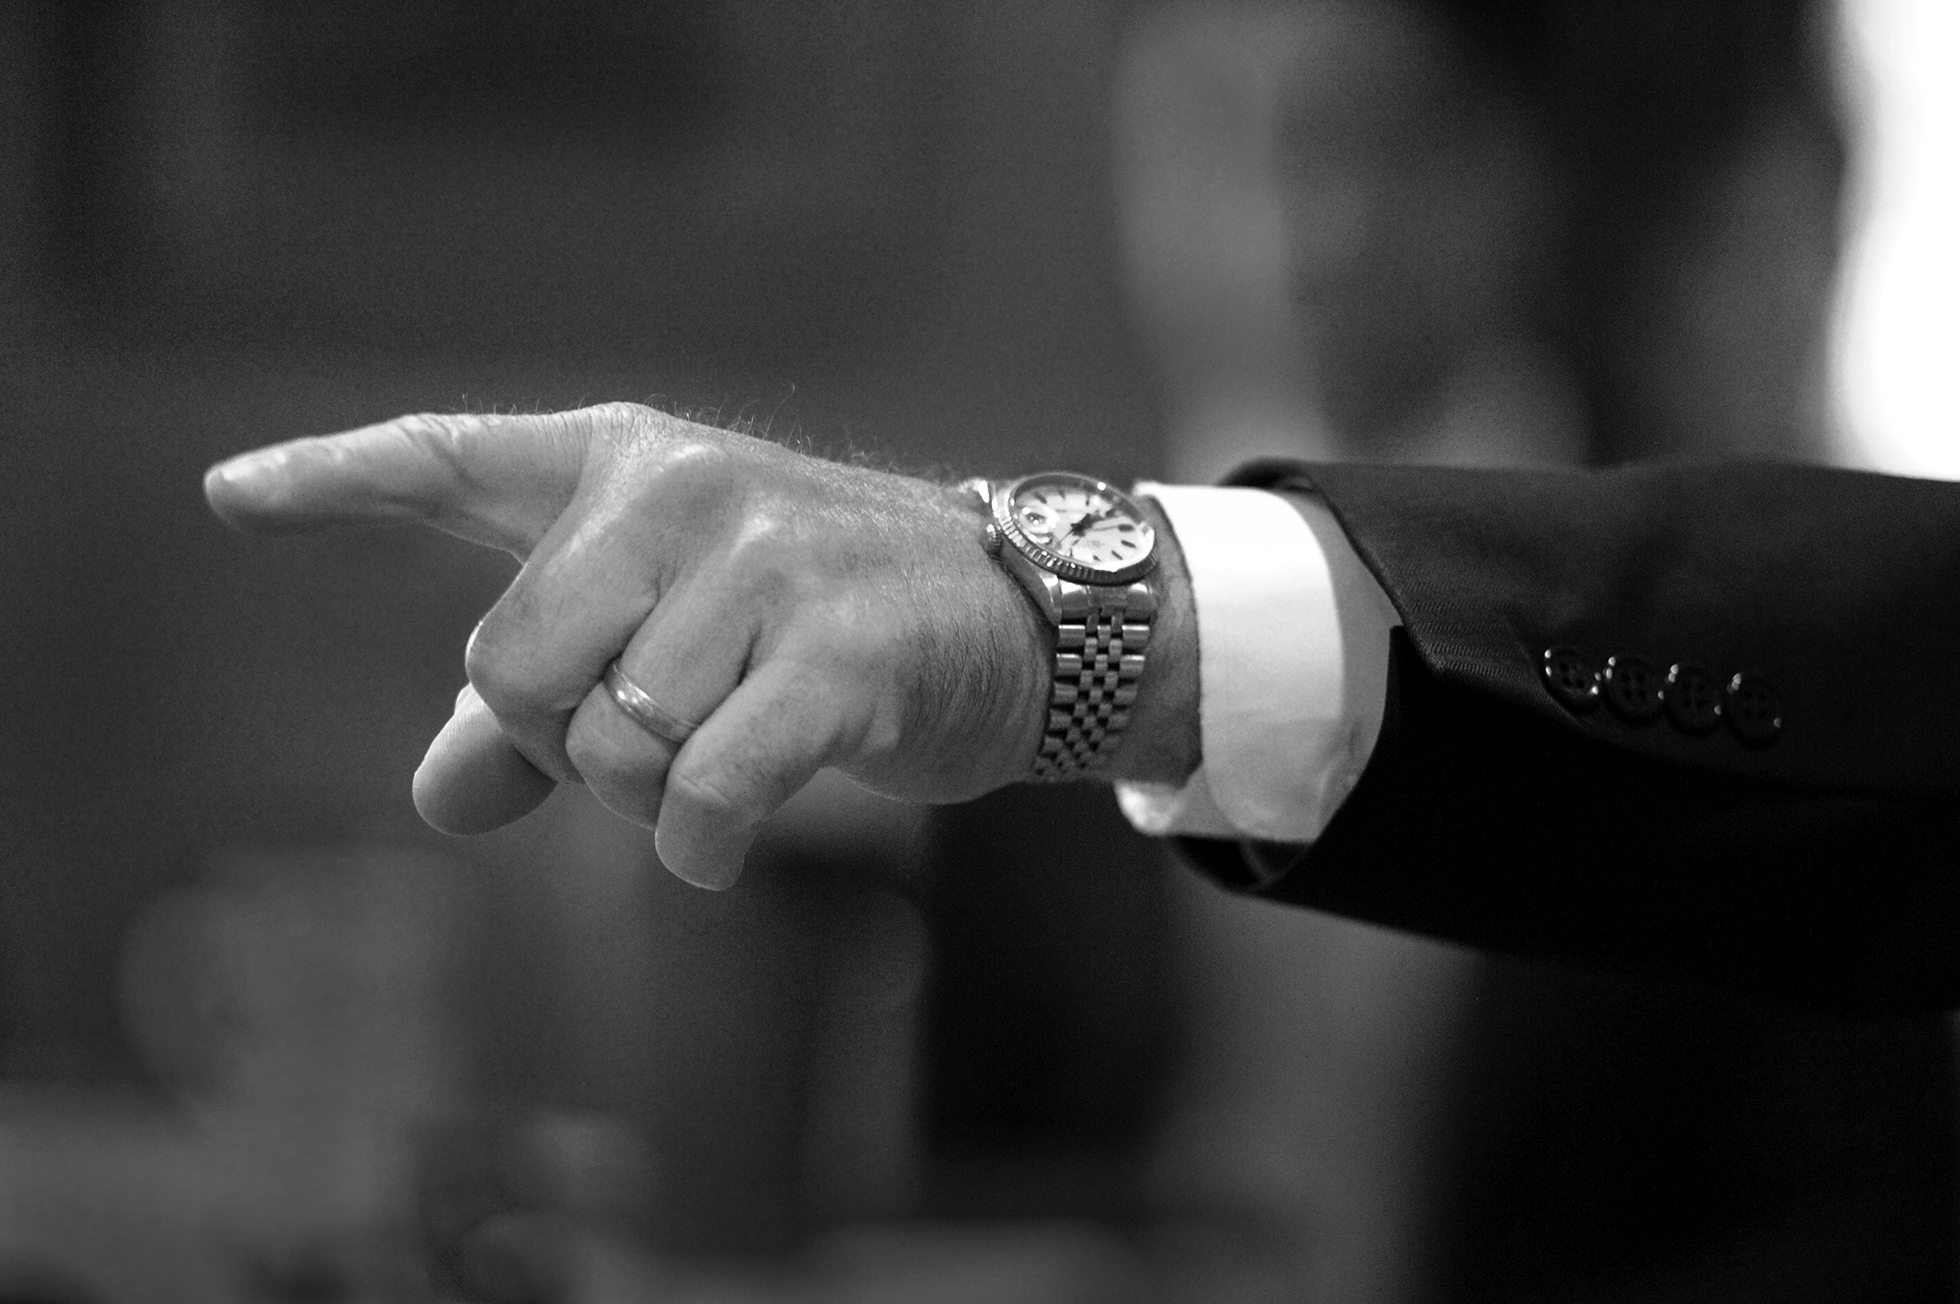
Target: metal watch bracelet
column 1099, row 643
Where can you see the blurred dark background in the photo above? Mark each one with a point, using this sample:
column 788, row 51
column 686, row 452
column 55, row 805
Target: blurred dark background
column 248, row 1002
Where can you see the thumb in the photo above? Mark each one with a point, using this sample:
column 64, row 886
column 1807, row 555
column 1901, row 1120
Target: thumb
column 473, row 779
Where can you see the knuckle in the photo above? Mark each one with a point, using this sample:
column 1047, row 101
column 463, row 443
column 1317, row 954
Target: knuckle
column 766, row 547
column 696, row 484
column 635, row 432
column 698, row 465
column 619, row 420
column 442, row 439
column 438, row 433
column 620, row 412
column 497, row 672
column 423, row 425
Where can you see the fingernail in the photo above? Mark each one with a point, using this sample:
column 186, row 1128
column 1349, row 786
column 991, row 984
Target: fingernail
column 235, row 486
column 237, row 470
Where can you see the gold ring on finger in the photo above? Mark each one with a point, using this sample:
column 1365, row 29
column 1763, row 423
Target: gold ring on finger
column 647, row 713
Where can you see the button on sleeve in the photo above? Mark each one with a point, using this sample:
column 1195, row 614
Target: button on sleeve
column 1754, row 710
column 1632, row 688
column 1571, row 678
column 1694, row 699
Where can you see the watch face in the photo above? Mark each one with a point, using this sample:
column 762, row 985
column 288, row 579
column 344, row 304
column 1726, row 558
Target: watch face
column 1078, row 527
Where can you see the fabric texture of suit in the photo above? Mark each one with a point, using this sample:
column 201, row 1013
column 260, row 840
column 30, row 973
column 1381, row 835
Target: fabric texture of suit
column 1822, row 868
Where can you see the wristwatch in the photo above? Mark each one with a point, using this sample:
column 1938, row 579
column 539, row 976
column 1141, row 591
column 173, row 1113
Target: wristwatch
column 1085, row 553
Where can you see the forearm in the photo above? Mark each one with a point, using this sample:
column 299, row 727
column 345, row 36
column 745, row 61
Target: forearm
column 1817, row 865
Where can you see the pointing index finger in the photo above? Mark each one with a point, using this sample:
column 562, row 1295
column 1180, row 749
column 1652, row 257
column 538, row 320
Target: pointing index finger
column 496, row 480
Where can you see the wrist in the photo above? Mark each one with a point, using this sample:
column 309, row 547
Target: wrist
column 1007, row 681
column 1152, row 730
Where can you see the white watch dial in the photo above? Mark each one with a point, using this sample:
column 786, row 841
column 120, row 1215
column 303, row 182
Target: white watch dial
column 1081, row 521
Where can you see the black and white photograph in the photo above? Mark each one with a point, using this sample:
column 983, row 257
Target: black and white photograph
column 1022, row 652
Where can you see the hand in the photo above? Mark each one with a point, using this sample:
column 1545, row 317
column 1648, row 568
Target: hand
column 807, row 614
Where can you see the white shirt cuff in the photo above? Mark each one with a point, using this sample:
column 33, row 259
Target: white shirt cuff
column 1292, row 667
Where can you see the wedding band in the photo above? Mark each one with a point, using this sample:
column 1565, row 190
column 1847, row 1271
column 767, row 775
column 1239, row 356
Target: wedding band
column 647, row 713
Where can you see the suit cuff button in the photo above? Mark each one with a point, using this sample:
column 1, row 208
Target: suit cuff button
column 1570, row 678
column 1633, row 689
column 1753, row 709
column 1694, row 699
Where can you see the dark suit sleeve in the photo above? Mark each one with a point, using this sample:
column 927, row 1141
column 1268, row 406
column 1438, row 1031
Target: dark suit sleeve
column 1822, row 867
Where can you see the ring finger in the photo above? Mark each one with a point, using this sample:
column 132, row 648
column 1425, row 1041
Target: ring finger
column 678, row 667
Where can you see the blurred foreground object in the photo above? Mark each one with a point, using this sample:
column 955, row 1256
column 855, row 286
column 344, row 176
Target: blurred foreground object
column 299, row 1009
column 304, row 1008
